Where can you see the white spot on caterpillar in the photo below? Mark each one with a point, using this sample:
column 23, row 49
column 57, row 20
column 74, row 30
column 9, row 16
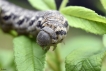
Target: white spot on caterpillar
column 40, row 18
column 21, row 17
column 33, row 18
column 54, row 41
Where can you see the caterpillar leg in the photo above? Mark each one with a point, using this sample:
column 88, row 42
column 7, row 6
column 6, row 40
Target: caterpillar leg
column 54, row 47
column 6, row 28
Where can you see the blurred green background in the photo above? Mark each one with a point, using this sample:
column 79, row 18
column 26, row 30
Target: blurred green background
column 76, row 38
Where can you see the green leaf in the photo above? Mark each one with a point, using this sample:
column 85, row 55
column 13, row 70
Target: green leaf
column 77, row 40
column 29, row 56
column 51, row 4
column 42, row 4
column 84, row 13
column 103, row 3
column 85, row 59
column 85, row 19
column 89, row 26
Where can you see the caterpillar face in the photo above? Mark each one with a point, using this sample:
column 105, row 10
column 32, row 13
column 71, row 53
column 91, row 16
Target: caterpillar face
column 43, row 39
column 49, row 27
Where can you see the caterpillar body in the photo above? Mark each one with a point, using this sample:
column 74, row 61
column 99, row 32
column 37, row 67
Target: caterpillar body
column 48, row 27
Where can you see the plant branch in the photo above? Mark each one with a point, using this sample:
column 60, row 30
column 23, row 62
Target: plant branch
column 52, row 65
column 58, row 58
column 63, row 4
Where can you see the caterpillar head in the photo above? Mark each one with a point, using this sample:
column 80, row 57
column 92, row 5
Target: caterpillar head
column 53, row 28
column 45, row 37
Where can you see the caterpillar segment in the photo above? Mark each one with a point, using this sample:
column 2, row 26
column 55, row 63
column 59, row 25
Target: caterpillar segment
column 48, row 27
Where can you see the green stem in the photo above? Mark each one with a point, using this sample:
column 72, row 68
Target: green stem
column 55, row 65
column 64, row 3
column 52, row 65
column 58, row 58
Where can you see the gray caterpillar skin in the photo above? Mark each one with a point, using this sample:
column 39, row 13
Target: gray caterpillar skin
column 50, row 27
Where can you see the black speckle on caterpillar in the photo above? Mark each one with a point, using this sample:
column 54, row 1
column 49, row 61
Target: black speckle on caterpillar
column 49, row 27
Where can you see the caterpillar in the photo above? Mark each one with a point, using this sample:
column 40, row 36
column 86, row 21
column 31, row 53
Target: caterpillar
column 48, row 27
